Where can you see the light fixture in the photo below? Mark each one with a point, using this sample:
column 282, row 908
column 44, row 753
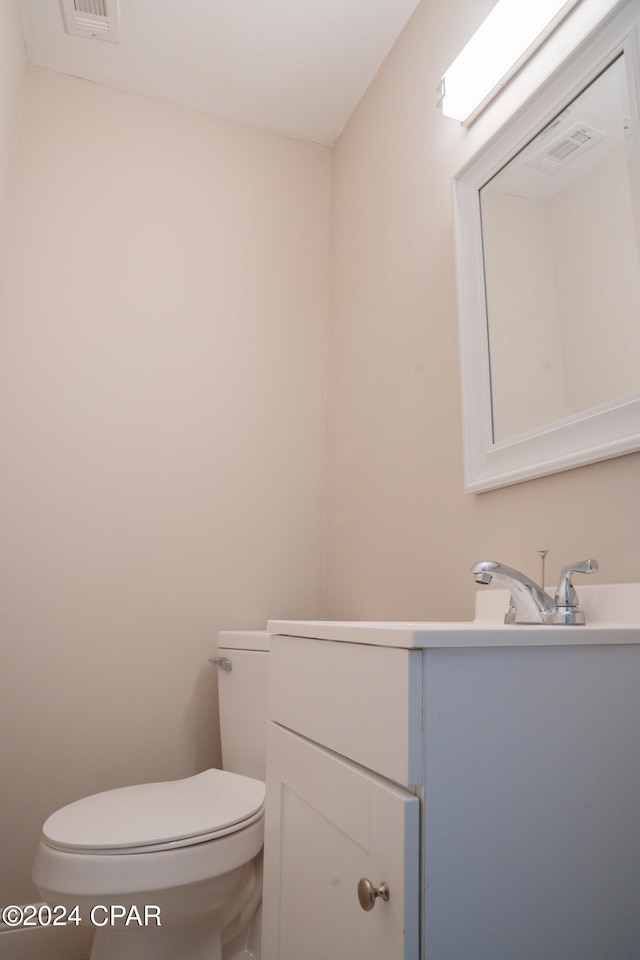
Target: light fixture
column 509, row 36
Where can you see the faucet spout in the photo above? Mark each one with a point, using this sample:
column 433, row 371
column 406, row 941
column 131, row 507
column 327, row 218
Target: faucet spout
column 529, row 602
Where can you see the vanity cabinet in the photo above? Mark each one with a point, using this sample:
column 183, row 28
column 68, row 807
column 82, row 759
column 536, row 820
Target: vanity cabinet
column 490, row 776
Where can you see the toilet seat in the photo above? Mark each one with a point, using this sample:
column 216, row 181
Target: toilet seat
column 152, row 817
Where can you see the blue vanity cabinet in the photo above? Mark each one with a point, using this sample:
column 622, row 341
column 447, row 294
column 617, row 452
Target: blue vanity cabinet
column 532, row 802
column 489, row 775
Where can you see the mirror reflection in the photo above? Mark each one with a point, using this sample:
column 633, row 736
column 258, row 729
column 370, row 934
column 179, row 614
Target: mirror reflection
column 560, row 230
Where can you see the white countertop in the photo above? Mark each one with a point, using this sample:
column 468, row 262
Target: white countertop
column 450, row 634
column 612, row 612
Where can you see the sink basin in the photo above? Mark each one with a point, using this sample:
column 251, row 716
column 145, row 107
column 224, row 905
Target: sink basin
column 612, row 612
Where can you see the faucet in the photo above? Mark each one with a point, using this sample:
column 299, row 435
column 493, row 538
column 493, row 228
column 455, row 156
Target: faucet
column 529, row 602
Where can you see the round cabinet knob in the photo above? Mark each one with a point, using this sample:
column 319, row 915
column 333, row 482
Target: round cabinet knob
column 368, row 894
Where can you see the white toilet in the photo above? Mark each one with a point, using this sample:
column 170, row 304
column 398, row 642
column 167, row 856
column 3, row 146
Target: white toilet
column 174, row 870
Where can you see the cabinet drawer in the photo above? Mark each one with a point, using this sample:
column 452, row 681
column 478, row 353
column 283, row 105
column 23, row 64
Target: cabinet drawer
column 363, row 702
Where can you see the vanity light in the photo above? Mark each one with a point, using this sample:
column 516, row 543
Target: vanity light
column 505, row 40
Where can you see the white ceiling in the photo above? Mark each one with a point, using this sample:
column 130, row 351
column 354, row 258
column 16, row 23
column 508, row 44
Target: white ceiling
column 296, row 67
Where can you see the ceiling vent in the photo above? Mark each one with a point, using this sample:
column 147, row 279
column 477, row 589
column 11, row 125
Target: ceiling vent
column 97, row 19
column 566, row 148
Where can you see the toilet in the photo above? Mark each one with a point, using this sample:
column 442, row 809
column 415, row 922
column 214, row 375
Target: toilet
column 174, row 870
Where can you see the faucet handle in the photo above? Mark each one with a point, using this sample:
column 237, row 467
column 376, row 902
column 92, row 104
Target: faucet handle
column 566, row 598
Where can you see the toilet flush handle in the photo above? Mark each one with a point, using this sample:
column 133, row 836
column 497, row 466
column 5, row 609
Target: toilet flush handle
column 223, row 663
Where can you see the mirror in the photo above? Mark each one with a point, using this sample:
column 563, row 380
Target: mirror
column 548, row 230
column 560, row 249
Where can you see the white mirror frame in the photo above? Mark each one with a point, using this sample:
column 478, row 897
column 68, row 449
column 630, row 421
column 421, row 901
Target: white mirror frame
column 609, row 430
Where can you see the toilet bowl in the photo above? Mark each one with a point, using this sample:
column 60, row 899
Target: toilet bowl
column 169, row 870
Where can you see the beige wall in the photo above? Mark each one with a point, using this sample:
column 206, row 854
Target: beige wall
column 162, row 374
column 13, row 63
column 401, row 532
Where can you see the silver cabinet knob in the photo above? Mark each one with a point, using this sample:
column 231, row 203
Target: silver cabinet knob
column 368, row 894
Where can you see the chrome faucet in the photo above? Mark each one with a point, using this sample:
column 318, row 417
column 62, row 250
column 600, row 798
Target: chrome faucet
column 529, row 602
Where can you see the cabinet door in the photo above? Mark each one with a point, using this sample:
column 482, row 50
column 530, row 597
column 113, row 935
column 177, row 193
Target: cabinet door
column 328, row 824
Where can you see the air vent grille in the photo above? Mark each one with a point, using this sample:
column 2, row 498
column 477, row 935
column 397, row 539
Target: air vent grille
column 566, row 148
column 98, row 8
column 97, row 19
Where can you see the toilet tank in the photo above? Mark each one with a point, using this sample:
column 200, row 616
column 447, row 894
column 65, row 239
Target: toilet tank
column 242, row 697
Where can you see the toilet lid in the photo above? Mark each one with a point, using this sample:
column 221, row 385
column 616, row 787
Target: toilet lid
column 173, row 813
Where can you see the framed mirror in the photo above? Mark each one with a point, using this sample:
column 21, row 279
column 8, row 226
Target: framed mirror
column 548, row 256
